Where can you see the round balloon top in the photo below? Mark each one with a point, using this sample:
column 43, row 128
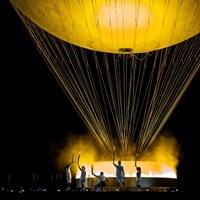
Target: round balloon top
column 115, row 26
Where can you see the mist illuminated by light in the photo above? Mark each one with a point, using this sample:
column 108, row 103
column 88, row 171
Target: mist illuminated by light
column 160, row 161
column 149, row 169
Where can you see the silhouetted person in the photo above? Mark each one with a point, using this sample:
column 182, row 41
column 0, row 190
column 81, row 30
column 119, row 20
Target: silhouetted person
column 83, row 174
column 102, row 181
column 120, row 175
column 138, row 175
column 69, row 174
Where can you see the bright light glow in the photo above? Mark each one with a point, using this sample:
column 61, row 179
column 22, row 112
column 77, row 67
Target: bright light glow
column 140, row 25
column 149, row 169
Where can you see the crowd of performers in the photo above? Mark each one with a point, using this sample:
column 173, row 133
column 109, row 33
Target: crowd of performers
column 101, row 184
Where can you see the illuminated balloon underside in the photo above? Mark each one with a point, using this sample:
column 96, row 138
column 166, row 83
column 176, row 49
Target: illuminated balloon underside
column 110, row 59
column 116, row 26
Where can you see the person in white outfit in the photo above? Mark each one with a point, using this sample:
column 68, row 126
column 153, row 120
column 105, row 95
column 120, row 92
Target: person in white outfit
column 69, row 174
column 120, row 175
column 138, row 175
column 102, row 181
column 83, row 174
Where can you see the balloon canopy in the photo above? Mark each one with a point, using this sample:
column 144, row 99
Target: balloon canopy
column 115, row 26
column 99, row 51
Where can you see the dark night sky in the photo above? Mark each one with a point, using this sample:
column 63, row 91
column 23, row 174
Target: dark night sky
column 35, row 111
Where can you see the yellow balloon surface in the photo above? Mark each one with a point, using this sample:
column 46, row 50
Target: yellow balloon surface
column 128, row 26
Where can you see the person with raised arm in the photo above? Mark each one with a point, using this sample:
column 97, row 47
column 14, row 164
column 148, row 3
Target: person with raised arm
column 83, row 174
column 138, row 174
column 120, row 174
column 68, row 173
column 101, row 183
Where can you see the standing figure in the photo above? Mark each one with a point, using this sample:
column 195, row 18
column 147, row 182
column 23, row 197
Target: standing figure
column 69, row 174
column 83, row 174
column 138, row 175
column 102, row 181
column 120, row 174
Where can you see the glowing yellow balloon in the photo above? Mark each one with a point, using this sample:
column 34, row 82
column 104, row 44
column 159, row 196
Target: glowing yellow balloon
column 115, row 25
